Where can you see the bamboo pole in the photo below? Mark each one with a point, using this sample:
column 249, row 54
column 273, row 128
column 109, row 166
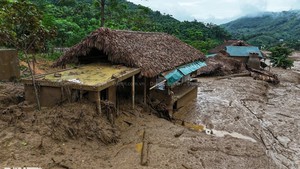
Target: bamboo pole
column 157, row 84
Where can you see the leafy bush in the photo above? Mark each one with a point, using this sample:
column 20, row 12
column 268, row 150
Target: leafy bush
column 279, row 57
column 52, row 56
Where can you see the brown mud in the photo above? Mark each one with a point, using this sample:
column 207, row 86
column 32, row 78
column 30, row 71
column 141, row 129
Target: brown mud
column 254, row 125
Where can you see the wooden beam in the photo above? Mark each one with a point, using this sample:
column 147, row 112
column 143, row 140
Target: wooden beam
column 133, row 91
column 80, row 94
column 157, row 84
column 145, row 90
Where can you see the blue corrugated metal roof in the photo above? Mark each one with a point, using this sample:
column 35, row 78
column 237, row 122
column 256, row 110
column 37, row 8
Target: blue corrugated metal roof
column 181, row 71
column 191, row 67
column 242, row 50
column 173, row 77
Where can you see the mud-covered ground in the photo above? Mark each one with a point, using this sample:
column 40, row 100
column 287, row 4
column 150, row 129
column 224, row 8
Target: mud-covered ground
column 253, row 125
column 268, row 114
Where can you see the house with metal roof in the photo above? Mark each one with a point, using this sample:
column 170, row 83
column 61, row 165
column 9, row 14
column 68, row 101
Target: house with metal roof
column 221, row 47
column 242, row 51
column 250, row 55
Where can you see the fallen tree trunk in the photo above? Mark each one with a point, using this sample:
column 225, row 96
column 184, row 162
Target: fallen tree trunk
column 234, row 75
column 264, row 75
column 269, row 79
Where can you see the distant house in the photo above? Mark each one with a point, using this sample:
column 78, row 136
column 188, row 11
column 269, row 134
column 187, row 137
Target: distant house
column 227, row 43
column 157, row 63
column 249, row 55
column 242, row 52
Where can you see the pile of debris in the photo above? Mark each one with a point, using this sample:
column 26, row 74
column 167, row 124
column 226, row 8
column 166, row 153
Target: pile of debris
column 264, row 75
column 62, row 123
column 221, row 65
column 10, row 94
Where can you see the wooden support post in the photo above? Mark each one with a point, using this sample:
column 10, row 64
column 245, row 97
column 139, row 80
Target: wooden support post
column 112, row 94
column 133, row 92
column 80, row 94
column 98, row 102
column 145, row 90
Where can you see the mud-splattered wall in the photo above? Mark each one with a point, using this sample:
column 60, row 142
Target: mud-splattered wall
column 9, row 64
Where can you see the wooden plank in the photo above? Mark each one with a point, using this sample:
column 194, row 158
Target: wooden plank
column 145, row 150
column 157, row 84
column 145, row 90
column 98, row 102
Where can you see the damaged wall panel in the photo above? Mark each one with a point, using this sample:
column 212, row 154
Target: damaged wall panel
column 9, row 64
column 48, row 96
column 184, row 100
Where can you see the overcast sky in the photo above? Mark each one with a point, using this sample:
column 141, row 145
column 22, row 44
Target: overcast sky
column 217, row 11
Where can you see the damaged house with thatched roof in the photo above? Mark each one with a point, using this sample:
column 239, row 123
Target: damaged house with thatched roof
column 112, row 64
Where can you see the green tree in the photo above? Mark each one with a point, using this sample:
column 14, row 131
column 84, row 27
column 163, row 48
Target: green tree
column 21, row 26
column 279, row 57
column 75, row 19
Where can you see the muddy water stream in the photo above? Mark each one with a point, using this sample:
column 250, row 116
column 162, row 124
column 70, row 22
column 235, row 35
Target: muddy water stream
column 252, row 111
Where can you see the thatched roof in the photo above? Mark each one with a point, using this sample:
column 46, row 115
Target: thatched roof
column 227, row 43
column 154, row 53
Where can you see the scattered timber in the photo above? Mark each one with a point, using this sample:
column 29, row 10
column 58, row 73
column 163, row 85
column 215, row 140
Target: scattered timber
column 144, row 154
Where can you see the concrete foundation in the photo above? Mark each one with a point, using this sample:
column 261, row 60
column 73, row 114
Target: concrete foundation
column 9, row 65
column 181, row 96
column 184, row 100
column 48, row 96
column 51, row 96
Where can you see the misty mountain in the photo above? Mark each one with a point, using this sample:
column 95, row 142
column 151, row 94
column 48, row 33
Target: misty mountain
column 267, row 29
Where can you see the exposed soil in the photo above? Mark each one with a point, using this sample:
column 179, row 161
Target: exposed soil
column 260, row 123
column 41, row 66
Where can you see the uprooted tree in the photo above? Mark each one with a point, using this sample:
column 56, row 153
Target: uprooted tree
column 279, row 57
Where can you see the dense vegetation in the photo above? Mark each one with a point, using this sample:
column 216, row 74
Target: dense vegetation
column 279, row 57
column 268, row 29
column 72, row 20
